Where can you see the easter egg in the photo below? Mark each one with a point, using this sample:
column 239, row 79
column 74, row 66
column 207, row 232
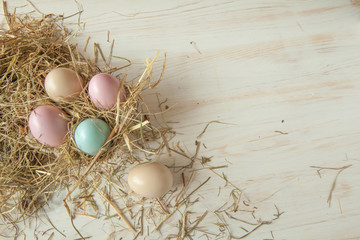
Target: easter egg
column 48, row 126
column 63, row 84
column 91, row 134
column 150, row 179
column 103, row 90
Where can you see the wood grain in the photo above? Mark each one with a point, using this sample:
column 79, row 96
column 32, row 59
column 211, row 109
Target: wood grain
column 264, row 66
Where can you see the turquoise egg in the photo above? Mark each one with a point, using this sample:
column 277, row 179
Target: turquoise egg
column 91, row 134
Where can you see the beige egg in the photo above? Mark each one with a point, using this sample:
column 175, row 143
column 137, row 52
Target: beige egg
column 63, row 84
column 150, row 179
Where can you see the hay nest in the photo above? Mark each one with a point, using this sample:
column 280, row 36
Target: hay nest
column 30, row 172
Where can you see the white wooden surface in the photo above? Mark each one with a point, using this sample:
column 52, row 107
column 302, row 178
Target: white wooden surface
column 264, row 66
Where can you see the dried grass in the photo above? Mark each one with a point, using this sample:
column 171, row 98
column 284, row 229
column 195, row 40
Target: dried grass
column 30, row 172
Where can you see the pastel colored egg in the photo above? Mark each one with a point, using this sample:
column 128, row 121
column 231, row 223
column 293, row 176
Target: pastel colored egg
column 103, row 90
column 91, row 134
column 63, row 84
column 48, row 125
column 150, row 179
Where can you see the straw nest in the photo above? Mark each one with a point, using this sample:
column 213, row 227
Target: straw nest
column 30, row 172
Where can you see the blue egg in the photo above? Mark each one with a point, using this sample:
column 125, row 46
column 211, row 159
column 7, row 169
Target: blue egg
column 91, row 134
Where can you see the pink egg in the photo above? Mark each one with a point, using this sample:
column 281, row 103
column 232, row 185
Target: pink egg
column 103, row 90
column 48, row 126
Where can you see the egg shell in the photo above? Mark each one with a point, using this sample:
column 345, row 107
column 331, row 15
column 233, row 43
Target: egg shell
column 150, row 179
column 63, row 84
column 91, row 134
column 48, row 126
column 103, row 90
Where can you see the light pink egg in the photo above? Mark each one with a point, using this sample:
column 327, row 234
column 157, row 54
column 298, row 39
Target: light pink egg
column 48, row 126
column 103, row 90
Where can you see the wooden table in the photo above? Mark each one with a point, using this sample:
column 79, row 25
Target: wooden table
column 283, row 75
